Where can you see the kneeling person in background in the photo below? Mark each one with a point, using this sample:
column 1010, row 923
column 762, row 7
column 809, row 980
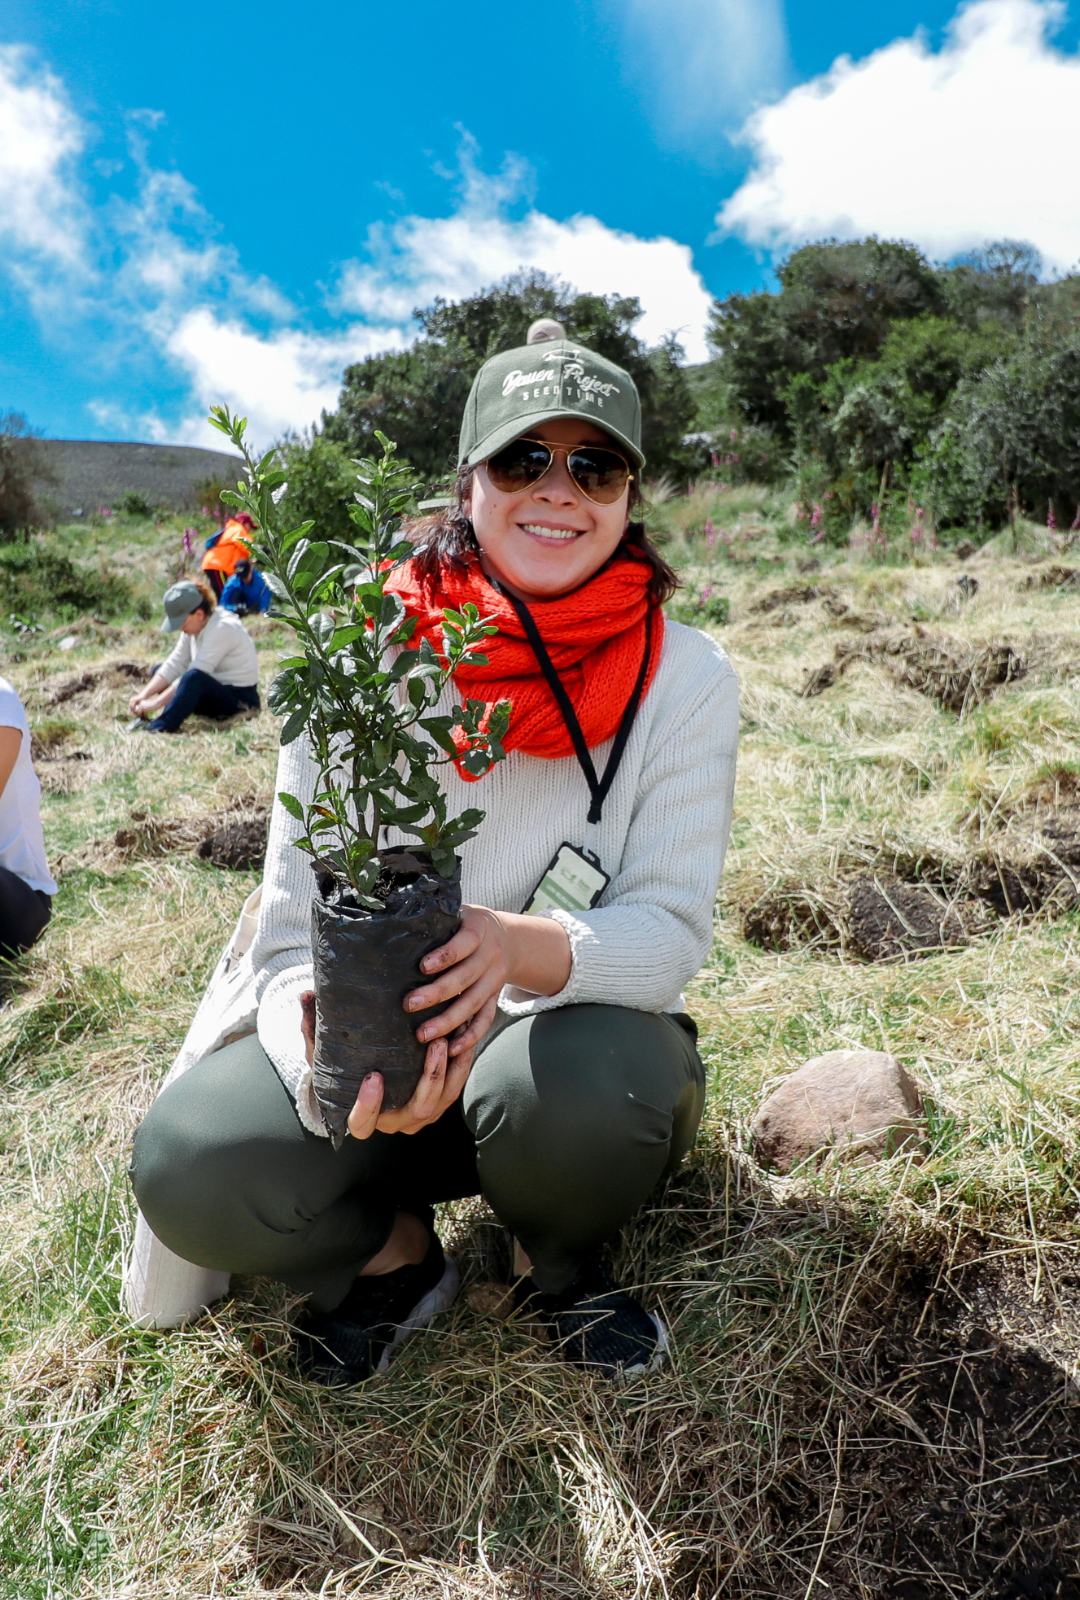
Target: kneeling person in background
column 26, row 884
column 214, row 669
column 247, row 590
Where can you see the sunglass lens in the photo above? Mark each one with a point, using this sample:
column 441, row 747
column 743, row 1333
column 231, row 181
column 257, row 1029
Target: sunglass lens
column 599, row 473
column 523, row 462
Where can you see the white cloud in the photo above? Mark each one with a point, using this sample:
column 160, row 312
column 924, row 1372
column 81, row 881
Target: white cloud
column 280, row 382
column 947, row 149
column 40, row 214
column 147, row 280
column 420, row 257
column 706, row 62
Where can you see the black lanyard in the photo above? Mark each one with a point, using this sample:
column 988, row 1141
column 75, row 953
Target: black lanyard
column 598, row 787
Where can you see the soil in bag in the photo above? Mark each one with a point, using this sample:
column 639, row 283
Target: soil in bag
column 366, row 962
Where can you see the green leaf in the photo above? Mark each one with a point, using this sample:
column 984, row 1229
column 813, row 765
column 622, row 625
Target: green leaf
column 439, row 730
column 292, row 805
column 344, row 636
column 295, row 726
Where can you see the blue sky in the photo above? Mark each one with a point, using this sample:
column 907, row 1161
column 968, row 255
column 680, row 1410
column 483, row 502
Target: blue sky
column 200, row 201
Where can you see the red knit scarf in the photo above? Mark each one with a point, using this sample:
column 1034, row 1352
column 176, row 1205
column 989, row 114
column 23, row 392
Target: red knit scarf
column 595, row 637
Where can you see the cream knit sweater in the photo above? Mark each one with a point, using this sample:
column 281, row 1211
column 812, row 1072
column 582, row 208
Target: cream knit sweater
column 662, row 838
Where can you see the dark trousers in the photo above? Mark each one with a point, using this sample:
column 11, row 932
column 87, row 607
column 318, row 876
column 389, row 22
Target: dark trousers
column 24, row 914
column 568, row 1121
column 198, row 692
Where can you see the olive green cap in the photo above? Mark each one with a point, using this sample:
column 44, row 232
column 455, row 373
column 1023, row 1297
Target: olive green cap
column 519, row 389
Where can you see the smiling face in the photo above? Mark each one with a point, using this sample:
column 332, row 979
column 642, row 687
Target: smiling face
column 549, row 539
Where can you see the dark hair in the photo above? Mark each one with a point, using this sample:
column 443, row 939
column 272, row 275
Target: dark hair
column 447, row 539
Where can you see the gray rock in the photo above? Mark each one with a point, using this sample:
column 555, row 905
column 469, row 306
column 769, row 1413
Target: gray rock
column 859, row 1102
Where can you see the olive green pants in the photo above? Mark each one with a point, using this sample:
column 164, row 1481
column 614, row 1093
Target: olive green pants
column 568, row 1121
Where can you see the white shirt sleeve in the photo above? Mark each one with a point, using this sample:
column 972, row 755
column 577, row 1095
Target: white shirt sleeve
column 179, row 661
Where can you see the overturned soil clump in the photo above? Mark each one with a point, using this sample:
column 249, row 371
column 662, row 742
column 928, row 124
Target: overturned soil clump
column 798, row 594
column 791, row 916
column 896, row 904
column 113, row 675
column 891, row 919
column 1055, row 577
column 954, row 674
column 234, row 839
column 239, row 845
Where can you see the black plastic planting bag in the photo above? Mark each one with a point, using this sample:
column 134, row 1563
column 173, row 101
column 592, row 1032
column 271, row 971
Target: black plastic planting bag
column 366, row 962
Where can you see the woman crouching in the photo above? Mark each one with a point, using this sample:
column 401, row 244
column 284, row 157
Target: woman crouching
column 562, row 1081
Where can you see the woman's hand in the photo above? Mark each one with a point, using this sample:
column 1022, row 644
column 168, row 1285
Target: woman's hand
column 440, row 1085
column 489, row 950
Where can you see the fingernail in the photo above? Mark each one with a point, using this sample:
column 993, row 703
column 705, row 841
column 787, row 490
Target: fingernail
column 427, row 1031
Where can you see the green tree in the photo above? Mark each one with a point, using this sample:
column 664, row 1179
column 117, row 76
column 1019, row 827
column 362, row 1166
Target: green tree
column 417, row 396
column 22, row 470
column 1011, row 438
column 837, row 301
column 994, row 284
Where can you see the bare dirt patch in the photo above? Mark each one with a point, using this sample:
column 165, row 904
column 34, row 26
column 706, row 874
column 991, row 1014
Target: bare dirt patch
column 239, row 845
column 890, row 919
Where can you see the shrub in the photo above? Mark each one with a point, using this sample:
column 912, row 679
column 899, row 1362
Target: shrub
column 699, row 606
column 35, row 580
column 134, row 504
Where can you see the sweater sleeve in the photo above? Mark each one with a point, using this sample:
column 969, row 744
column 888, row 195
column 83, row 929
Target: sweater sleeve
column 174, row 667
column 281, row 952
column 654, row 928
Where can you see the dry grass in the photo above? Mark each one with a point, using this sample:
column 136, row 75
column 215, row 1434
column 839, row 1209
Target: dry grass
column 872, row 1392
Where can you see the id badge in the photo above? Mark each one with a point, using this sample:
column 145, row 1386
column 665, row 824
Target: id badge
column 573, row 881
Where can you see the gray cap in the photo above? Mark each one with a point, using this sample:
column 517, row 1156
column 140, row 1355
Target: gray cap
column 180, row 601
column 518, row 389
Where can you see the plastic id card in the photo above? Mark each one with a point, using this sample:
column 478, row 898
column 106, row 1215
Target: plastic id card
column 573, row 881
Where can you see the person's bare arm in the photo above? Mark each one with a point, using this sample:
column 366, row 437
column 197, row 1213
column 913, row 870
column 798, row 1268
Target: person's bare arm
column 10, row 745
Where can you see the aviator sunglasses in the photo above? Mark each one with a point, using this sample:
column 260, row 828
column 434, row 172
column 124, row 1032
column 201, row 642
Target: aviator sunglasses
column 601, row 474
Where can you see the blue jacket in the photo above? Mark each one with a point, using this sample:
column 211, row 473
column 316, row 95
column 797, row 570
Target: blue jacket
column 253, row 596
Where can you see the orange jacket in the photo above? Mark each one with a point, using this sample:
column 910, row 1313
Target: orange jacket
column 229, row 549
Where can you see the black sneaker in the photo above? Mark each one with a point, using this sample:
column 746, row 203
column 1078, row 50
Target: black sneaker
column 347, row 1345
column 598, row 1325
